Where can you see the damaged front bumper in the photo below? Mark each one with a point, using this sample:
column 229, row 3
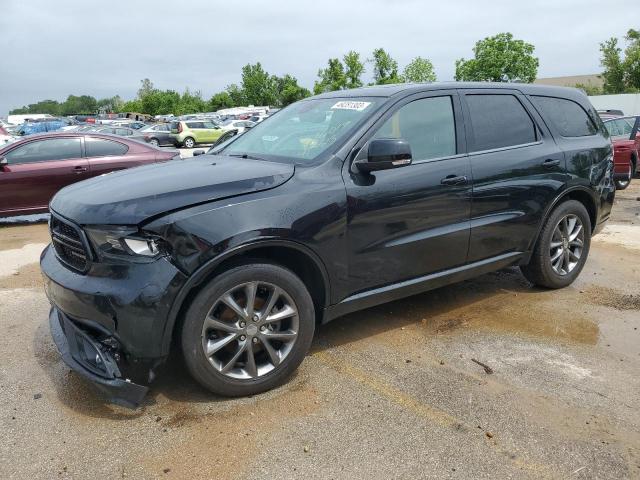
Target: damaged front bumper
column 86, row 355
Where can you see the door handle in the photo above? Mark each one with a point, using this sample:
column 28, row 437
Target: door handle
column 551, row 162
column 79, row 169
column 454, row 180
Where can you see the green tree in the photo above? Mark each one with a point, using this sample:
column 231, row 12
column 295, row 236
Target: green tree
column 354, row 69
column 385, row 68
column 258, row 86
column 83, row 104
column 288, row 90
column 632, row 60
column 331, row 78
column 146, row 87
column 611, row 61
column 220, row 100
column 52, row 107
column 237, row 95
column 499, row 59
column 419, row 70
column 589, row 88
column 132, row 106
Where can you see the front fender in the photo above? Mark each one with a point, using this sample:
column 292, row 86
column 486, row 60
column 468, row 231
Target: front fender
column 204, row 272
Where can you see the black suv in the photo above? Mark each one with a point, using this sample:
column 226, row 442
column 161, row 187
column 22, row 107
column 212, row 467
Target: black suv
column 337, row 203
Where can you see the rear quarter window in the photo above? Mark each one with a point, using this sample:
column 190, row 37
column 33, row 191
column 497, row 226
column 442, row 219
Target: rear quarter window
column 98, row 147
column 567, row 116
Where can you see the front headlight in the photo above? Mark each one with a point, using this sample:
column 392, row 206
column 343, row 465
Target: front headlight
column 123, row 241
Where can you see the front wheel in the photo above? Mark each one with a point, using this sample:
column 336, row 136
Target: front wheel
column 154, row 142
column 248, row 330
column 622, row 184
column 189, row 142
column 562, row 247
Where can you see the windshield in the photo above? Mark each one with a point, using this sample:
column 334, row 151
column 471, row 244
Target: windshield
column 304, row 130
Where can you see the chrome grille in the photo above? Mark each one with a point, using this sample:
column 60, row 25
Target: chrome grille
column 68, row 243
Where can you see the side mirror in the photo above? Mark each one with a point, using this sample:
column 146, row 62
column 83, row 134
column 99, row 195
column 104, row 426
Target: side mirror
column 198, row 152
column 384, row 154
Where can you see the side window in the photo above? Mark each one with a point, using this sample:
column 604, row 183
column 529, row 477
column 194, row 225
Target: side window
column 625, row 126
column 98, row 147
column 125, row 132
column 195, row 125
column 45, row 150
column 569, row 118
column 498, row 121
column 427, row 124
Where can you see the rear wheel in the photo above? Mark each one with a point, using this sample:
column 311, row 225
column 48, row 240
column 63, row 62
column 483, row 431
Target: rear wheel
column 562, row 247
column 622, row 184
column 154, row 142
column 189, row 142
column 248, row 330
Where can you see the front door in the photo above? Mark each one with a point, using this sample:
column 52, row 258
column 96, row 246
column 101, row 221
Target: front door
column 36, row 170
column 412, row 221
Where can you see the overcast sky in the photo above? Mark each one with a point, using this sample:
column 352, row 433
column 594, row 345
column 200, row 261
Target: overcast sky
column 51, row 48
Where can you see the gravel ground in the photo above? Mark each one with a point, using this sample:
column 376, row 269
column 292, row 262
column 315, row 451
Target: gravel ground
column 390, row 392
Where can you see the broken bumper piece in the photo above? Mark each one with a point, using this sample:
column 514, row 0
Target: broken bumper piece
column 91, row 359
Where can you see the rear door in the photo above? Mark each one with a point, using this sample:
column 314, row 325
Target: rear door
column 36, row 170
column 517, row 167
column 197, row 129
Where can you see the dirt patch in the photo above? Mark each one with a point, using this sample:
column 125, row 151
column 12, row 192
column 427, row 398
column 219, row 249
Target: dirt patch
column 499, row 302
column 28, row 276
column 221, row 442
column 608, row 297
column 20, row 235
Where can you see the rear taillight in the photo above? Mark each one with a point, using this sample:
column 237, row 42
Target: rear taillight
column 179, row 128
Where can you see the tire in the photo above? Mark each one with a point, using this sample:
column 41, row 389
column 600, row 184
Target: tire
column 154, row 142
column 208, row 312
column 543, row 269
column 189, row 142
column 622, row 184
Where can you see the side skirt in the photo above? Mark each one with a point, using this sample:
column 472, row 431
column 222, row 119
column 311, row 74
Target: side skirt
column 417, row 285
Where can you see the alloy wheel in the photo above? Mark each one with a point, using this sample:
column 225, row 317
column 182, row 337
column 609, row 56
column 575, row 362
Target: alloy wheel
column 566, row 244
column 250, row 330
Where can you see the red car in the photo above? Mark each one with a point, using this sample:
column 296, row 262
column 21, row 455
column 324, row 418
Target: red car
column 626, row 148
column 34, row 168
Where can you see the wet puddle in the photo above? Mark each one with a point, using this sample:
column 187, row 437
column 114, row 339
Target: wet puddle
column 500, row 302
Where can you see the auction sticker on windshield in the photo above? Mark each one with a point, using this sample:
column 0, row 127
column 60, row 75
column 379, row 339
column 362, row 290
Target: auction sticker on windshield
column 345, row 105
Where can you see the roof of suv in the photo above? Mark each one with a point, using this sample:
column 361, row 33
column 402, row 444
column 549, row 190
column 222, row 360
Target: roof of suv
column 403, row 88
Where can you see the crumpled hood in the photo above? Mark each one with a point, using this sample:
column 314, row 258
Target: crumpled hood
column 128, row 197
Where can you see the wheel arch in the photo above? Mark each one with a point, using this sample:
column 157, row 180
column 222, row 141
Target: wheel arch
column 296, row 257
column 579, row 193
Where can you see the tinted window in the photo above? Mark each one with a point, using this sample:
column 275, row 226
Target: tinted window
column 567, row 116
column 97, row 147
column 195, row 125
column 43, row 150
column 619, row 127
column 499, row 121
column 427, row 124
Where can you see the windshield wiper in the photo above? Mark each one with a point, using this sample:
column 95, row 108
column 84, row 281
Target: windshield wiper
column 244, row 155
